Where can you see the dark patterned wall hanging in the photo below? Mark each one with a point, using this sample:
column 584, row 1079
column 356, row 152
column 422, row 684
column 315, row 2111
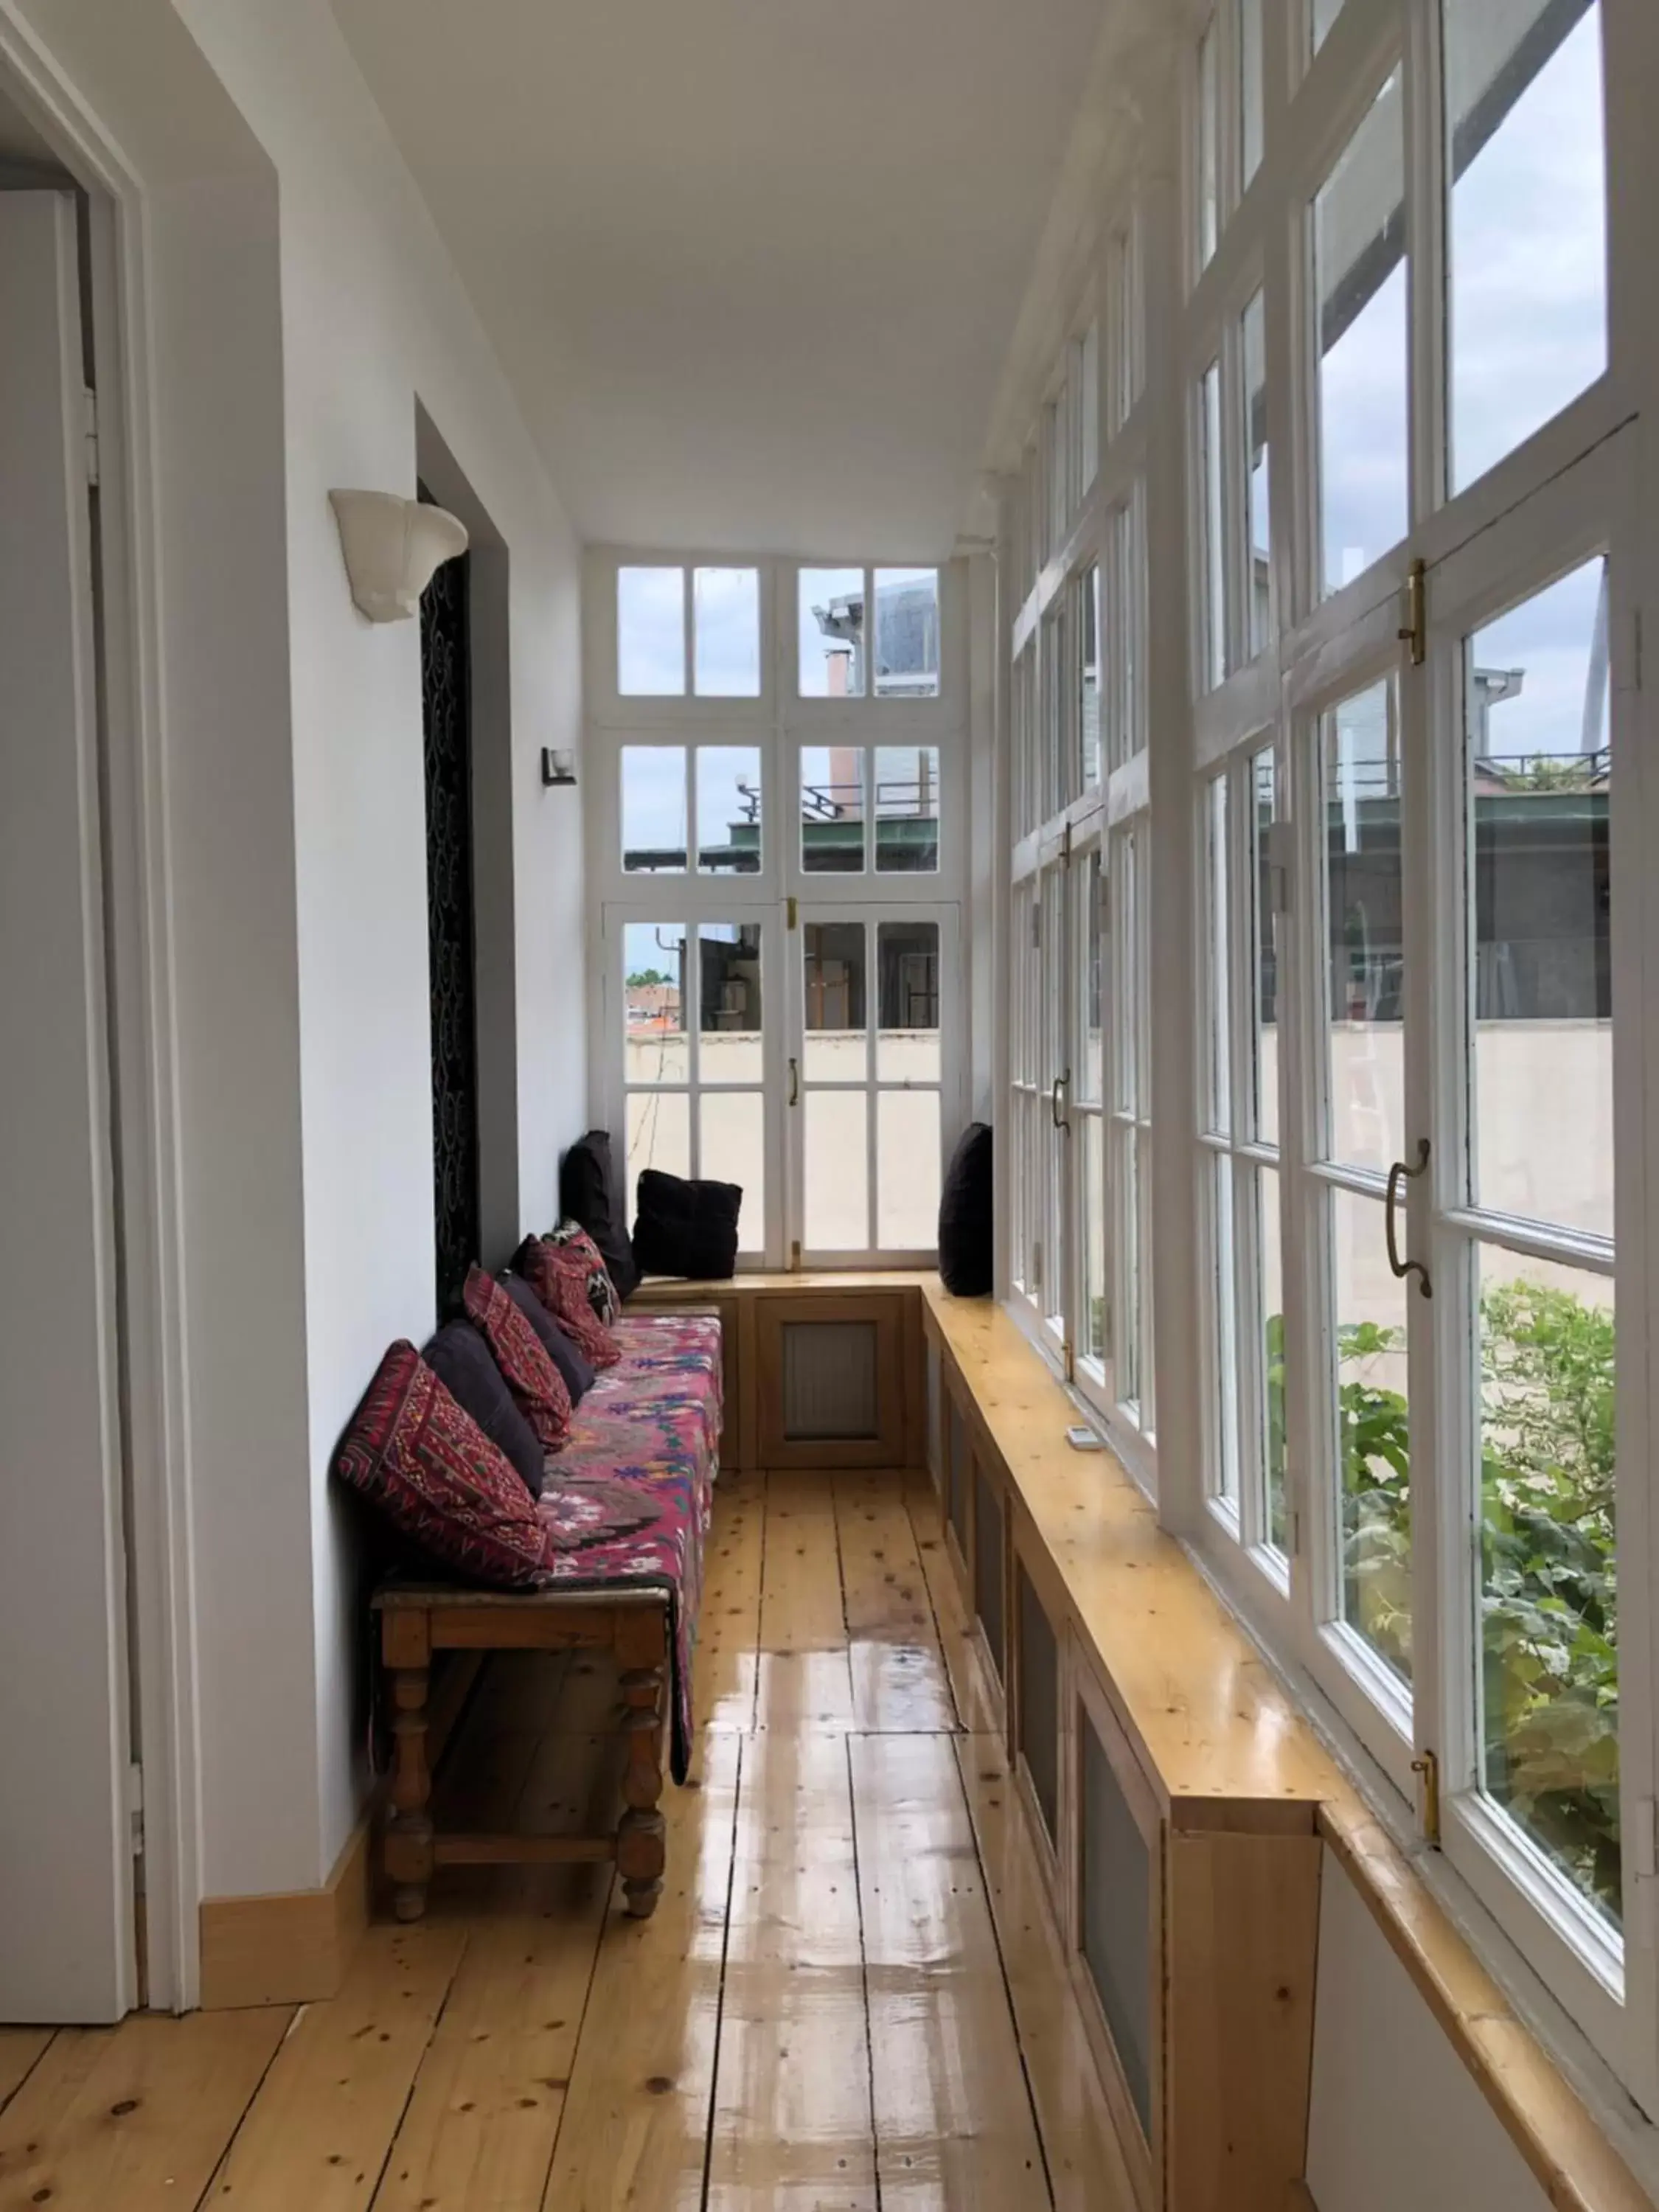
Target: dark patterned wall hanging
column 446, row 699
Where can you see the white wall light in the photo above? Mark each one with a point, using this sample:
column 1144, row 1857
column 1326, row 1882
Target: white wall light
column 392, row 545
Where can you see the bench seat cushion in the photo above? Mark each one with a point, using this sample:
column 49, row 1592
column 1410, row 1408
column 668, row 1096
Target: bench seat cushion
column 628, row 1496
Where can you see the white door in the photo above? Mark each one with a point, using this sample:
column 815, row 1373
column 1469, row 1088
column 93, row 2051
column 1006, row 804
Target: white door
column 66, row 1872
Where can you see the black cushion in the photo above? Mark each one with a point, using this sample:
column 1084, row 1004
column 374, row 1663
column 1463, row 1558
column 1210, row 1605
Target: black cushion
column 464, row 1364
column 570, row 1360
column 687, row 1229
column 967, row 1232
column 590, row 1195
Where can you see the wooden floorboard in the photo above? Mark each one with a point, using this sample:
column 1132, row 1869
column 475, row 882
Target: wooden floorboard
column 1085, row 2168
column 791, row 2117
column 137, row 2116
column 20, row 2051
column 953, row 2118
column 851, row 1995
column 899, row 1679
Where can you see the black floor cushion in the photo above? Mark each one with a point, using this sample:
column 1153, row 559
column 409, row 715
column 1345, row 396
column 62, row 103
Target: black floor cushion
column 590, row 1195
column 686, row 1228
column 967, row 1232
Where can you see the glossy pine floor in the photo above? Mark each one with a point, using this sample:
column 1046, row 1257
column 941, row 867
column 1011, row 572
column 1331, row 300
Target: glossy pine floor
column 850, row 1997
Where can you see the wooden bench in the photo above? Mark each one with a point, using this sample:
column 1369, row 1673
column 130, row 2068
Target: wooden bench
column 417, row 1619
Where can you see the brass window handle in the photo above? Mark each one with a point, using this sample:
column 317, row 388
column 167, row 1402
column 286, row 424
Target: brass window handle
column 794, row 1083
column 1398, row 1175
column 1061, row 1082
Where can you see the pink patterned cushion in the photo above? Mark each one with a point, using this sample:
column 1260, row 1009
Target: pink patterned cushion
column 430, row 1467
column 538, row 1389
column 574, row 1243
column 558, row 1276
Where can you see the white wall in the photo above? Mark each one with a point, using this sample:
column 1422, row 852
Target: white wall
column 301, row 306
column 1396, row 2119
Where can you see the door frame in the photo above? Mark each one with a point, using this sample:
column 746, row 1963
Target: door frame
column 142, row 1027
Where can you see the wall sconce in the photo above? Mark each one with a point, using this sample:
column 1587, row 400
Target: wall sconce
column 557, row 768
column 392, row 545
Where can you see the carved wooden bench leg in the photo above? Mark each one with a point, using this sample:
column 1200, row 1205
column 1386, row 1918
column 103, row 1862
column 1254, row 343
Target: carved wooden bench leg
column 408, row 1836
column 640, row 1833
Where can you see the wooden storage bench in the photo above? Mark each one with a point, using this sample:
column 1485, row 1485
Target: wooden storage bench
column 417, row 1619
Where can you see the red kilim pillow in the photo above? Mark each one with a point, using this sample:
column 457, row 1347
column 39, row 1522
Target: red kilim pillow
column 558, row 1275
column 574, row 1243
column 538, row 1390
column 430, row 1467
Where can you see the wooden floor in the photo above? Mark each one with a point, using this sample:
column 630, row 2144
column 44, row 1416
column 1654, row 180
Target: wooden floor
column 851, row 1996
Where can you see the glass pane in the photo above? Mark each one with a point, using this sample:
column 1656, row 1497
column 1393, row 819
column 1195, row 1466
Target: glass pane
column 1270, row 1382
column 651, row 633
column 1253, row 108
column 837, row 1043
column 830, row 624
column 907, row 633
column 725, row 613
column 1548, row 1720
column 1526, row 241
column 656, row 1049
column 907, row 810
column 1209, row 154
column 836, row 1125
column 1324, row 14
column 1365, row 1075
column 658, row 1136
column 1215, row 540
column 1359, row 260
column 1539, row 771
column 1128, row 1241
column 1224, row 1328
column 1259, row 586
column 731, row 1132
column 907, row 1002
column 1371, row 1437
column 1096, row 1333
column 653, row 827
column 729, row 1047
column 1264, row 955
column 1127, row 1030
column 1217, row 938
column 1054, row 469
column 1116, row 1933
column 1057, row 779
column 1089, row 676
column 832, row 810
column 1089, row 1086
column 908, row 1171
column 729, row 810
column 1088, row 402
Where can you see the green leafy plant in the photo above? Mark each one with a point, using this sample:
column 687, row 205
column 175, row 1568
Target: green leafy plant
column 1547, row 1592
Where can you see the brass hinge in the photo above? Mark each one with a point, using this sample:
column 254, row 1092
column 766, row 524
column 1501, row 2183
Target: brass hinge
column 1068, row 1353
column 793, row 908
column 1067, row 853
column 1426, row 1768
column 794, row 1255
column 1416, row 632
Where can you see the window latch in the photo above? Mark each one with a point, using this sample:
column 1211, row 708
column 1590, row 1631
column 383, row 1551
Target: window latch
column 1426, row 1767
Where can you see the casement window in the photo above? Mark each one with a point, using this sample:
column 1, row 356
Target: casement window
column 1421, row 930
column 1420, row 938
column 777, row 849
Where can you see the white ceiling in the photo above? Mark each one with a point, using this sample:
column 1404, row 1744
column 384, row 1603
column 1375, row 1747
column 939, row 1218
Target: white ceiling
column 753, row 265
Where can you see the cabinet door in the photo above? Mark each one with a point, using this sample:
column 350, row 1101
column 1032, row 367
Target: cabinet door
column 831, row 1379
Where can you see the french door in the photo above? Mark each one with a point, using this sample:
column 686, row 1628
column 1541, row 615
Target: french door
column 1461, row 926
column 872, row 1081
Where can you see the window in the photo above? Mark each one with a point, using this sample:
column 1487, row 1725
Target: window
column 1527, row 223
column 654, row 819
column 1212, row 531
column 843, row 833
column 1086, row 384
column 1359, row 288
column 1207, row 146
column 1131, row 1116
column 1087, row 632
column 1259, row 564
column 870, row 1089
column 1252, row 131
column 833, row 641
column 654, row 636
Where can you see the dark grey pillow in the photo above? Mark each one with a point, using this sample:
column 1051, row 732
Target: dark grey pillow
column 589, row 1195
column 567, row 1356
column 464, row 1364
column 687, row 1229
